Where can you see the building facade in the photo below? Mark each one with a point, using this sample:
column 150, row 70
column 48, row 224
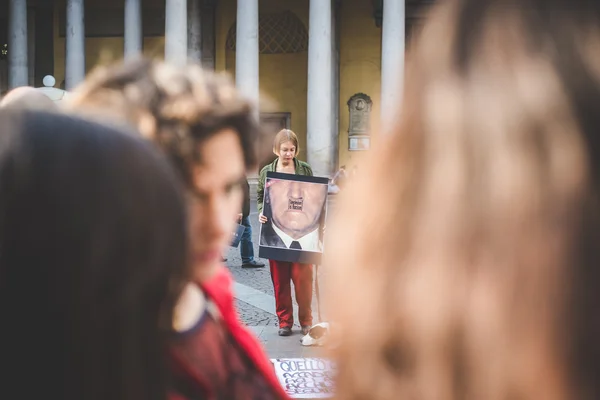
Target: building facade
column 330, row 70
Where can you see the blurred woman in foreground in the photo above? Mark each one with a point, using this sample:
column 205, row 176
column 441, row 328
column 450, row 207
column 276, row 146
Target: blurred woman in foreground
column 92, row 261
column 206, row 129
column 475, row 263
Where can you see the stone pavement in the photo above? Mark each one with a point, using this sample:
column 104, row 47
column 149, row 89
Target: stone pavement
column 283, row 347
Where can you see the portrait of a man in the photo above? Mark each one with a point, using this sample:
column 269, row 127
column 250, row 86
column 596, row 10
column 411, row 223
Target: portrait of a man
column 295, row 207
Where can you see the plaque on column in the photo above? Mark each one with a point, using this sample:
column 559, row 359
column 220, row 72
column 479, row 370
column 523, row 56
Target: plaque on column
column 359, row 131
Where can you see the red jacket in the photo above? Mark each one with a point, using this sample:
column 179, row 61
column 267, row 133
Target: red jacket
column 219, row 290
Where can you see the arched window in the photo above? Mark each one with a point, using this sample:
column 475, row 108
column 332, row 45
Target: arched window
column 278, row 33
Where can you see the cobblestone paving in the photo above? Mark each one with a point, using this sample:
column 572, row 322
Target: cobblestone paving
column 257, row 278
column 253, row 316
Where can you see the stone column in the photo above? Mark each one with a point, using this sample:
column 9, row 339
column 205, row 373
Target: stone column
column 246, row 50
column 17, row 44
column 75, row 42
column 31, row 28
column 335, row 48
column 194, row 31
column 392, row 60
column 133, row 37
column 320, row 137
column 176, row 31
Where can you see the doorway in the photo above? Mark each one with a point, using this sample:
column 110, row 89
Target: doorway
column 271, row 123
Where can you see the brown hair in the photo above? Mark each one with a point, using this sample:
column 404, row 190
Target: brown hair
column 474, row 271
column 177, row 108
column 285, row 135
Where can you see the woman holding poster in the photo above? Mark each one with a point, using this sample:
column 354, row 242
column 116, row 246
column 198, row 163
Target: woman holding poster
column 285, row 146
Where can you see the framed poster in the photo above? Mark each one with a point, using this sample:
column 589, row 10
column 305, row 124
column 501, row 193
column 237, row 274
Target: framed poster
column 295, row 207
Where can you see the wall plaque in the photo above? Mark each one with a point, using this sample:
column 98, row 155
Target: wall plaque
column 360, row 106
column 359, row 129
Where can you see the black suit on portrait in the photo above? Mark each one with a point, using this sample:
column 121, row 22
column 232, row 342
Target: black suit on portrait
column 277, row 250
column 268, row 236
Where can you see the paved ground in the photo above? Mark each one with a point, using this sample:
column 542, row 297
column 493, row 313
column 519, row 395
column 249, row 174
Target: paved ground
column 254, row 316
column 257, row 278
column 283, row 347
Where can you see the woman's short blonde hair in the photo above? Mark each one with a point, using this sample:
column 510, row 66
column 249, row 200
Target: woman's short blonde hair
column 285, row 135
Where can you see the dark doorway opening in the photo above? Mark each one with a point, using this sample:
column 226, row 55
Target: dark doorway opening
column 271, row 123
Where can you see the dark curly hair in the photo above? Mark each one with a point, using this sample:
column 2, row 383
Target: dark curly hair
column 176, row 107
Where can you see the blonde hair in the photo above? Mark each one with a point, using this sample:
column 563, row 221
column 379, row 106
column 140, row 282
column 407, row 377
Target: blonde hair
column 283, row 136
column 472, row 273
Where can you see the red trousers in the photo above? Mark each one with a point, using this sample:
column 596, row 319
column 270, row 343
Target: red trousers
column 302, row 276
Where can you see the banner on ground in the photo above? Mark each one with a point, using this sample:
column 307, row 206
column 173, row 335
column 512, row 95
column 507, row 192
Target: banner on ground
column 305, row 378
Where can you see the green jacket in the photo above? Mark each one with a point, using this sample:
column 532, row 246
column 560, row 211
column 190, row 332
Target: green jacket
column 302, row 168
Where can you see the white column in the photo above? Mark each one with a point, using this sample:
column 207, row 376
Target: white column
column 335, row 85
column 133, row 37
column 176, row 31
column 246, row 50
column 392, row 60
column 194, row 31
column 31, row 46
column 75, row 43
column 320, row 143
column 17, row 44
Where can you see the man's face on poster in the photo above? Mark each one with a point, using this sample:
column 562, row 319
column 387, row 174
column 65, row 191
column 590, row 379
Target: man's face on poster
column 296, row 206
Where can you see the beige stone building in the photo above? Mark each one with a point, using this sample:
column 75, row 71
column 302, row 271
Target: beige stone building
column 312, row 61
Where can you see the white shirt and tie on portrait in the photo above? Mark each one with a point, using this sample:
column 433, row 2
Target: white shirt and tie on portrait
column 308, row 242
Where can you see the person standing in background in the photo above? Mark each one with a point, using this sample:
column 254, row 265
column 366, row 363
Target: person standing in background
column 285, row 147
column 246, row 245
